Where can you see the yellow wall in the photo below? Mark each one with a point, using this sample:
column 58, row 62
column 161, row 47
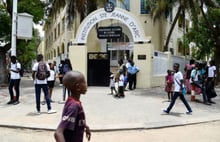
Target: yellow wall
column 145, row 73
column 78, row 58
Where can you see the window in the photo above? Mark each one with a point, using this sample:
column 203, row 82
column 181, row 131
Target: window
column 125, row 5
column 180, row 46
column 55, row 34
column 145, row 6
column 54, row 53
column 113, row 1
column 58, row 34
column 63, row 25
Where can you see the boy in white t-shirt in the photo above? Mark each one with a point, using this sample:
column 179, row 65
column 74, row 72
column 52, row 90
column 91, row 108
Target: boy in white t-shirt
column 178, row 85
column 15, row 78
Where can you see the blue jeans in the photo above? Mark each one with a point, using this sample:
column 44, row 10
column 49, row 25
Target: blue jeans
column 14, row 83
column 182, row 98
column 38, row 88
column 204, row 95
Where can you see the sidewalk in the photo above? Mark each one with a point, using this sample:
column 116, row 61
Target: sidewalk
column 140, row 109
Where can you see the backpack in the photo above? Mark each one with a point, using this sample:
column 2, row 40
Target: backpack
column 21, row 71
column 42, row 72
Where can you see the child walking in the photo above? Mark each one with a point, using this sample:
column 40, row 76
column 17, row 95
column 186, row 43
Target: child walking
column 112, row 84
column 169, row 84
column 73, row 124
column 121, row 84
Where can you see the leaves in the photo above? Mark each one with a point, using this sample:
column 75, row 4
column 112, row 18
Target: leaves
column 33, row 7
column 5, row 23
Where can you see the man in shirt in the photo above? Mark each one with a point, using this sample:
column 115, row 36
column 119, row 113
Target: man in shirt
column 14, row 83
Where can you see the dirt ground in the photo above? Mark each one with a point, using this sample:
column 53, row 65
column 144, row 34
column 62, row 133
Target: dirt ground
column 204, row 132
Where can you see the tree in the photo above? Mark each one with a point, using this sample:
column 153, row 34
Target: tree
column 5, row 26
column 33, row 7
column 207, row 36
column 29, row 48
column 201, row 37
column 193, row 7
column 83, row 7
column 162, row 8
column 212, row 19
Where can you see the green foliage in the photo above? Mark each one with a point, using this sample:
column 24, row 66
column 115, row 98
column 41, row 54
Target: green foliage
column 29, row 48
column 33, row 7
column 25, row 50
column 5, row 23
column 203, row 36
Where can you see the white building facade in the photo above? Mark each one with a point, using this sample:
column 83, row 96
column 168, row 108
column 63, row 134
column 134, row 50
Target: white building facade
column 141, row 40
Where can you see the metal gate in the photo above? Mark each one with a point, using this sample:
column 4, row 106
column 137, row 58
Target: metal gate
column 98, row 69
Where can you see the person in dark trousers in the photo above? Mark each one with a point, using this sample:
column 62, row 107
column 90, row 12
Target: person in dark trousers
column 15, row 79
column 66, row 68
column 41, row 84
column 178, row 85
column 129, row 74
column 134, row 72
column 73, row 123
column 212, row 75
column 62, row 62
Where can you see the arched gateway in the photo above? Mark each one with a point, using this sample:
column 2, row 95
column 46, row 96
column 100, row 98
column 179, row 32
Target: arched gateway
column 78, row 48
column 121, row 15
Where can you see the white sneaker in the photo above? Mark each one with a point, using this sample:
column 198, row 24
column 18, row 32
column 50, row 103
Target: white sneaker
column 51, row 111
column 37, row 113
column 61, row 102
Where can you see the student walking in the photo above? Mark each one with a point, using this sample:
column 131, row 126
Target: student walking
column 51, row 80
column 120, row 84
column 73, row 123
column 112, row 84
column 66, row 68
column 60, row 68
column 212, row 75
column 39, row 75
column 178, row 85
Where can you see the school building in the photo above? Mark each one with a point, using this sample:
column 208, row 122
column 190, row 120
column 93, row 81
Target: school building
column 114, row 31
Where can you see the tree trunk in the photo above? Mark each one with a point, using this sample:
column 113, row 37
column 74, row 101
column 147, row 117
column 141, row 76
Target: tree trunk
column 3, row 70
column 217, row 58
column 171, row 29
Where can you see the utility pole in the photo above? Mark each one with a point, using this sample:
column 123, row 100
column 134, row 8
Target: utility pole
column 14, row 28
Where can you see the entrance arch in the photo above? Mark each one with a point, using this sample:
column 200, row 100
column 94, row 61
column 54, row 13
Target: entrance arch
column 119, row 14
column 78, row 50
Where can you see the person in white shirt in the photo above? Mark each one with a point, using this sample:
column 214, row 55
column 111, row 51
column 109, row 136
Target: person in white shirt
column 15, row 78
column 212, row 74
column 121, row 84
column 41, row 84
column 178, row 85
column 51, row 80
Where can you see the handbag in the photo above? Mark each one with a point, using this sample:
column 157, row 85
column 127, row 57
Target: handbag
column 184, row 90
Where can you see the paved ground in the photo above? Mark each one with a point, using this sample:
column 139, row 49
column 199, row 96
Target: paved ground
column 140, row 109
column 202, row 132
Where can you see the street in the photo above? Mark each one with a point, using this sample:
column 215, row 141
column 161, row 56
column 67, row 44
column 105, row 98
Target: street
column 148, row 123
column 203, row 132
